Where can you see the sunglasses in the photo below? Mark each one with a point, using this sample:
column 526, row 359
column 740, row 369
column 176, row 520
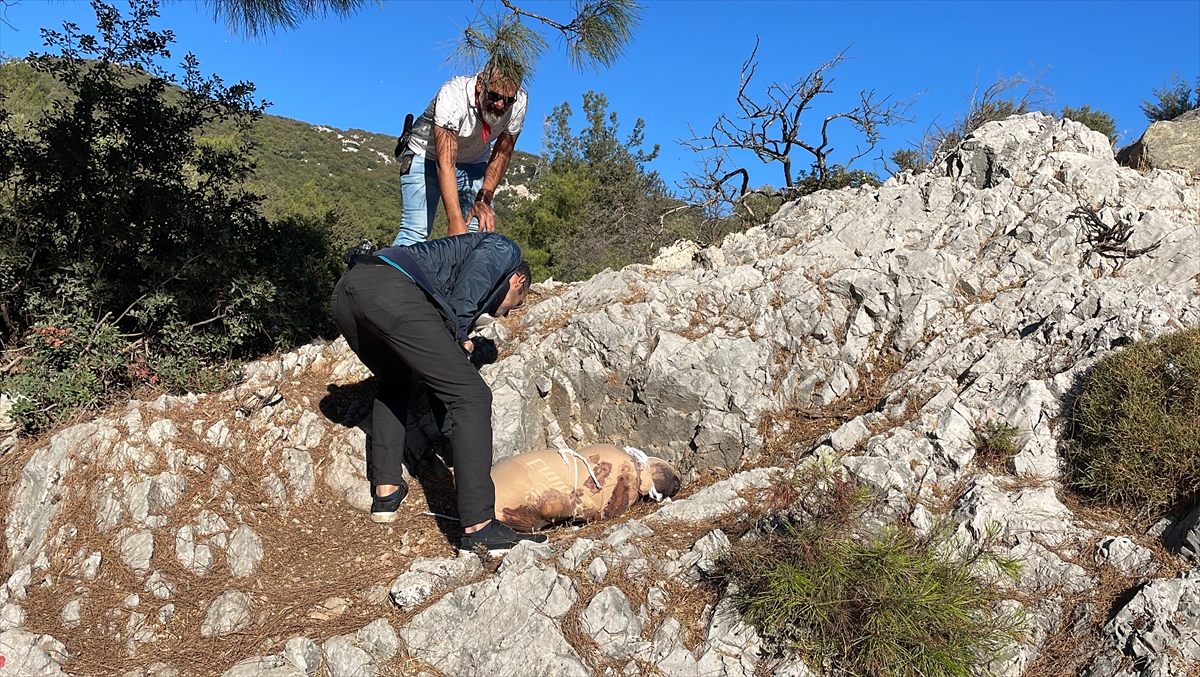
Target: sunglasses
column 496, row 97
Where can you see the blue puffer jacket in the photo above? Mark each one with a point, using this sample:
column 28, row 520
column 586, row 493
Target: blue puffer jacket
column 466, row 274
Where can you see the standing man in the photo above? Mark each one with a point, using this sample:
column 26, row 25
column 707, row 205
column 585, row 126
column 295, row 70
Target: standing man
column 447, row 154
column 410, row 310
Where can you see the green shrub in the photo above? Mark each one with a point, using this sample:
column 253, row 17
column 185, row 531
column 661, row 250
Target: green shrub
column 130, row 251
column 888, row 605
column 908, row 160
column 598, row 205
column 1173, row 100
column 838, row 177
column 1095, row 120
column 996, row 444
column 1136, row 425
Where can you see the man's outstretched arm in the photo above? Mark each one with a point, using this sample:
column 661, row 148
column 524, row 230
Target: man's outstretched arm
column 497, row 166
column 446, row 142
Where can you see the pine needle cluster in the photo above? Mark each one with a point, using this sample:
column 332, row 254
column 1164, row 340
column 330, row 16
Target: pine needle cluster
column 891, row 604
column 594, row 38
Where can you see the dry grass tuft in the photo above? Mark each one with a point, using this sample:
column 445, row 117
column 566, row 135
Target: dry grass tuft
column 791, row 433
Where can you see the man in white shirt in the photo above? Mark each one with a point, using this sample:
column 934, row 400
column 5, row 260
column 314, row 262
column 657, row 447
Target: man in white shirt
column 449, row 154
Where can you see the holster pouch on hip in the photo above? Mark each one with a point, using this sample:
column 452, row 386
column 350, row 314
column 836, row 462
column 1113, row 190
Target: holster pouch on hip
column 402, row 152
column 364, row 247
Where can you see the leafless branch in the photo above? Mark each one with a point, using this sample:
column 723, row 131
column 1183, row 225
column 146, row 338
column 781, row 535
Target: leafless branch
column 769, row 125
column 565, row 28
column 6, row 4
column 1109, row 241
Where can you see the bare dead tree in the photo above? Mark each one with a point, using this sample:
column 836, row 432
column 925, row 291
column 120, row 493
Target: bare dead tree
column 4, row 7
column 770, row 125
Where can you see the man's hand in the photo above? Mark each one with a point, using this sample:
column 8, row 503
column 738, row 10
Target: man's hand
column 468, row 346
column 486, row 215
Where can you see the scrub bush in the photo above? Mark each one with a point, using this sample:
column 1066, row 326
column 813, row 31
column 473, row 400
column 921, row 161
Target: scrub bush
column 996, row 443
column 130, row 253
column 1136, row 425
column 1171, row 101
column 1095, row 120
column 891, row 604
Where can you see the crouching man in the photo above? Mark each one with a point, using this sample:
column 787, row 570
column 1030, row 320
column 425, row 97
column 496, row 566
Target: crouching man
column 538, row 488
column 410, row 310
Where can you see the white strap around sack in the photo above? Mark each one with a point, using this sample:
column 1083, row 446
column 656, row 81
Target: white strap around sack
column 565, row 453
column 643, row 460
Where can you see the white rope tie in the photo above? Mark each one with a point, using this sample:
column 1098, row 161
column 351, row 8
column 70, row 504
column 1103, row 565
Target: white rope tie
column 643, row 460
column 438, row 514
column 565, row 453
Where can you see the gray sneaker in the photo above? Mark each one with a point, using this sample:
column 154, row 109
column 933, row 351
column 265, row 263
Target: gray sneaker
column 498, row 539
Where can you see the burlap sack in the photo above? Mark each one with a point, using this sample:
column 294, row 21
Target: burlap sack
column 545, row 487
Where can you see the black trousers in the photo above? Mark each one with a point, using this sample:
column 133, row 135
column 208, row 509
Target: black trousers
column 396, row 330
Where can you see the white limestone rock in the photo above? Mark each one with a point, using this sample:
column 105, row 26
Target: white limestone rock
column 574, row 556
column 301, row 478
column 611, row 623
column 426, row 576
column 30, row 655
column 516, row 610
column 716, row 501
column 303, row 654
column 263, row 666
column 245, row 551
column 72, row 613
column 1161, row 621
column 136, row 548
column 1127, row 557
column 229, row 613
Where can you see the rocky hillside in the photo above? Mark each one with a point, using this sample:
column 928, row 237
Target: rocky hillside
column 877, row 330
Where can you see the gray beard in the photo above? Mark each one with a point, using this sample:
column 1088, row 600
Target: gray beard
column 489, row 117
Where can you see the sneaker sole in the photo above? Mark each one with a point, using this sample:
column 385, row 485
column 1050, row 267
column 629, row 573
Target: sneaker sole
column 502, row 551
column 384, row 517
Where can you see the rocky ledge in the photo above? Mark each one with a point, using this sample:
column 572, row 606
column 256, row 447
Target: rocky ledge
column 901, row 320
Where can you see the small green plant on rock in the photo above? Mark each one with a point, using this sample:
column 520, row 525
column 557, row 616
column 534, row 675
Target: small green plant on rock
column 996, row 444
column 1095, row 120
column 1136, row 425
column 890, row 604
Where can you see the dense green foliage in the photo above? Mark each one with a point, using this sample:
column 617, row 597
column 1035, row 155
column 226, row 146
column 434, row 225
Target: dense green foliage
column 1095, row 120
column 1171, row 101
column 130, row 251
column 1136, row 437
column 597, row 205
column 890, row 604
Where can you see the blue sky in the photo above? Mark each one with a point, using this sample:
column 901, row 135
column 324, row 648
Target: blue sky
column 682, row 67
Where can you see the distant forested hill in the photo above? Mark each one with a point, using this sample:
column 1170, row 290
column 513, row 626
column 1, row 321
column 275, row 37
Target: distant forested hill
column 347, row 178
column 317, row 170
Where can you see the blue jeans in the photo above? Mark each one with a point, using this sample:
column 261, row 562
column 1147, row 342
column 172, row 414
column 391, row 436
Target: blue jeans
column 420, row 192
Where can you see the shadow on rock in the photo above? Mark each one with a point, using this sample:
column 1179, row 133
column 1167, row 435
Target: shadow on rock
column 347, row 405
